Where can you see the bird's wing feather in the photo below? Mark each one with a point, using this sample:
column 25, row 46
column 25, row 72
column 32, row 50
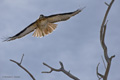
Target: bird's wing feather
column 62, row 16
column 24, row 32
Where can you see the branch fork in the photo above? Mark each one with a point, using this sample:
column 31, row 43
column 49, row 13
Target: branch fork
column 19, row 64
column 102, row 40
column 61, row 69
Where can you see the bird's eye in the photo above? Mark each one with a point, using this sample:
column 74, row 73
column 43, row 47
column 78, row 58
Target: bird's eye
column 41, row 15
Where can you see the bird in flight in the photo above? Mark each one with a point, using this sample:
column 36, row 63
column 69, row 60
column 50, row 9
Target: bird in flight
column 44, row 25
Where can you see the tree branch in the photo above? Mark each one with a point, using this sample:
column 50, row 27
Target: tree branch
column 98, row 74
column 19, row 64
column 22, row 59
column 102, row 40
column 60, row 70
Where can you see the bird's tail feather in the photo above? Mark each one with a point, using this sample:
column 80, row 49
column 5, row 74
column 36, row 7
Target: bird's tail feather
column 42, row 32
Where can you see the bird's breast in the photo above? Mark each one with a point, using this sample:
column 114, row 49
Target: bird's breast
column 42, row 23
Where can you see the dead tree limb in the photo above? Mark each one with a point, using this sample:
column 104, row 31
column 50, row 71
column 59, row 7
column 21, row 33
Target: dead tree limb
column 19, row 64
column 98, row 74
column 102, row 40
column 60, row 70
column 102, row 32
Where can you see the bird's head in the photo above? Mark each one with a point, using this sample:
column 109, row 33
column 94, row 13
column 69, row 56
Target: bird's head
column 41, row 16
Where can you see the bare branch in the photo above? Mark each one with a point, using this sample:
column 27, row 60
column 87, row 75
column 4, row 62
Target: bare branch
column 102, row 33
column 60, row 70
column 106, row 3
column 104, row 20
column 102, row 40
column 108, row 68
column 19, row 64
column 98, row 74
column 52, row 69
column 112, row 57
column 22, row 59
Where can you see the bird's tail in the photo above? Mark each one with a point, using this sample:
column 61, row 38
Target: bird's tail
column 42, row 32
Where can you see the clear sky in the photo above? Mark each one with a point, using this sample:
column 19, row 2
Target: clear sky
column 74, row 42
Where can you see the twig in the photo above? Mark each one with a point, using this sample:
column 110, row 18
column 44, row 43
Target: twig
column 103, row 62
column 98, row 74
column 60, row 70
column 102, row 40
column 106, row 3
column 19, row 64
column 103, row 30
column 22, row 59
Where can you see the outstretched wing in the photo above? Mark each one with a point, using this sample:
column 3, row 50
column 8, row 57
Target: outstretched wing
column 24, row 32
column 62, row 17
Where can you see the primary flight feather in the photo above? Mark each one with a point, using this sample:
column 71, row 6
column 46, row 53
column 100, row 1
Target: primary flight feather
column 44, row 25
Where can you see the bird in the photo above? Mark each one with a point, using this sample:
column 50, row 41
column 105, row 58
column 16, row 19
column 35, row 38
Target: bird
column 44, row 25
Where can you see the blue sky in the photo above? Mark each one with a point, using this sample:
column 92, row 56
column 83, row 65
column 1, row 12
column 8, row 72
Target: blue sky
column 74, row 42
